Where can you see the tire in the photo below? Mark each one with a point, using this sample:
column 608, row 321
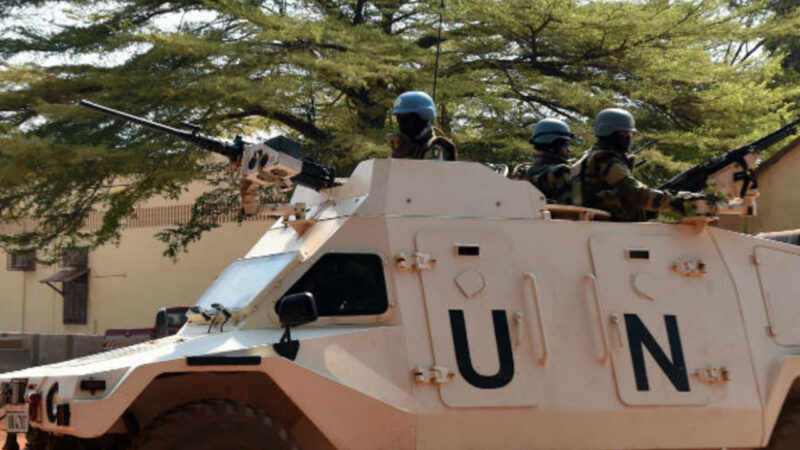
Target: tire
column 786, row 434
column 214, row 425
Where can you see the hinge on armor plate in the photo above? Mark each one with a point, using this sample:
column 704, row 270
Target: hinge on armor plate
column 433, row 374
column 713, row 374
column 418, row 261
column 692, row 268
column 293, row 215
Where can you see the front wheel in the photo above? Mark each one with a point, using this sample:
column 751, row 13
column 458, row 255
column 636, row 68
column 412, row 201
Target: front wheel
column 214, row 425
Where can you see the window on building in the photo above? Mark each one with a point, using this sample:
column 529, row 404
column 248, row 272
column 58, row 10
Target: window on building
column 76, row 300
column 74, row 279
column 75, row 257
column 345, row 284
column 22, row 261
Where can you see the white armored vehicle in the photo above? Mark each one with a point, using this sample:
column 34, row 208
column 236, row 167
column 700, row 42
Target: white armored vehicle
column 438, row 305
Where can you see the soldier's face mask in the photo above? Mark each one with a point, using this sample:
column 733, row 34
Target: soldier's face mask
column 411, row 124
column 621, row 141
column 558, row 147
column 561, row 148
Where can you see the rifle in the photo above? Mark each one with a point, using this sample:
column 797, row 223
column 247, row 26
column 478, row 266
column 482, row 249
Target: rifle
column 272, row 163
column 640, row 149
column 643, row 147
column 733, row 181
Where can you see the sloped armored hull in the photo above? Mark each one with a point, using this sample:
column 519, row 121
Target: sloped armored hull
column 326, row 368
column 499, row 327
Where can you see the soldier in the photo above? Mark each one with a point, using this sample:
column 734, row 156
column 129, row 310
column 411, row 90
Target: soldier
column 606, row 178
column 550, row 169
column 418, row 138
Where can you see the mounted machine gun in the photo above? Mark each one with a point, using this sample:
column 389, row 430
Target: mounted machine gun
column 731, row 174
column 264, row 164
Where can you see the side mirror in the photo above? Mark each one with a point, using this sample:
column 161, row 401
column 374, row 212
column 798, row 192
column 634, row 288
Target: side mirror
column 294, row 310
column 297, row 309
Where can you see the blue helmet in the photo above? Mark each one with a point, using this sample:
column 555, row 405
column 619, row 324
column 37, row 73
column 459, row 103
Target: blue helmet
column 613, row 119
column 549, row 130
column 416, row 102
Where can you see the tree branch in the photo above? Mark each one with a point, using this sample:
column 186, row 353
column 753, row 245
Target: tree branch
column 750, row 52
column 303, row 127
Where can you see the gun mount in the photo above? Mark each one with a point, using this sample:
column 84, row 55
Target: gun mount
column 731, row 174
column 260, row 164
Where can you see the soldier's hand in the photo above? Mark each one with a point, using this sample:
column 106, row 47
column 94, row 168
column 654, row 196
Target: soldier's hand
column 698, row 204
column 697, row 196
column 692, row 204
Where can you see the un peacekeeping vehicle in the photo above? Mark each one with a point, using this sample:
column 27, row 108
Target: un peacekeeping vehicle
column 439, row 305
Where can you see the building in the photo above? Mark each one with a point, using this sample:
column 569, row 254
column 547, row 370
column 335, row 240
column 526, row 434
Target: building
column 779, row 183
column 779, row 200
column 121, row 286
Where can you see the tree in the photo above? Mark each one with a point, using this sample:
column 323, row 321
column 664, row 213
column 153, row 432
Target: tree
column 775, row 15
column 518, row 61
column 327, row 71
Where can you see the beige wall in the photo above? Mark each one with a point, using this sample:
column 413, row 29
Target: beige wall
column 12, row 286
column 779, row 199
column 779, row 203
column 129, row 282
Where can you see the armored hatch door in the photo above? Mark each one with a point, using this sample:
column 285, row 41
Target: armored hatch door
column 778, row 272
column 657, row 321
column 478, row 320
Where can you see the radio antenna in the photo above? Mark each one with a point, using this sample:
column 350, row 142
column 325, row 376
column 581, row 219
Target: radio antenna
column 438, row 49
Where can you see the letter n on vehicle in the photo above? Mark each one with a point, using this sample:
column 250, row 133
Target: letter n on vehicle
column 640, row 338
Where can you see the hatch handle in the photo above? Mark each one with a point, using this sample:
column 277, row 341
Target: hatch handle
column 596, row 288
column 540, row 316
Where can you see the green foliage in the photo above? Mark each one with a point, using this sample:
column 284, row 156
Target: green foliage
column 518, row 61
column 700, row 76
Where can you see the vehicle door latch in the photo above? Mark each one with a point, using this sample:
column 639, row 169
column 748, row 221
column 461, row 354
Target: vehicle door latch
column 433, row 374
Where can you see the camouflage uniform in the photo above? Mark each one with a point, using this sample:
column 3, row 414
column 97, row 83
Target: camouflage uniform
column 550, row 173
column 607, row 183
column 429, row 144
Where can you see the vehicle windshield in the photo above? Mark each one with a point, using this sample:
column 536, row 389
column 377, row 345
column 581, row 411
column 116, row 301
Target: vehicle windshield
column 243, row 280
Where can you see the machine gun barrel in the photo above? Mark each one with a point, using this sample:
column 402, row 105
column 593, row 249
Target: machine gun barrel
column 232, row 151
column 695, row 179
column 262, row 157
